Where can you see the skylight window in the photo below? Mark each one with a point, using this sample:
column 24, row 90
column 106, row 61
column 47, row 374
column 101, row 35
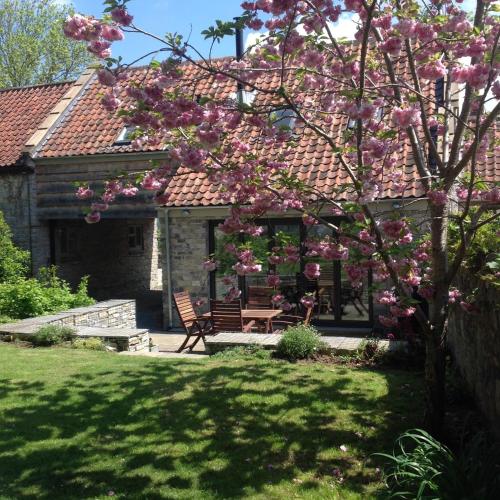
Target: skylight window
column 284, row 118
column 126, row 135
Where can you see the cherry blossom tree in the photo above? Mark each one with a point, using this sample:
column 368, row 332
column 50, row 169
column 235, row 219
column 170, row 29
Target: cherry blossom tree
column 382, row 87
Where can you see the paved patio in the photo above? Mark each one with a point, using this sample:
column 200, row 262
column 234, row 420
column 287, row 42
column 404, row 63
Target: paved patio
column 170, row 342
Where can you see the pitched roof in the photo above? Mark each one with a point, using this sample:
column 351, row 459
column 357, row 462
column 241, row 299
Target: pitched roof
column 87, row 129
column 21, row 111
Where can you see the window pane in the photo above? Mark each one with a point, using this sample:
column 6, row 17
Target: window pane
column 288, row 235
column 323, row 288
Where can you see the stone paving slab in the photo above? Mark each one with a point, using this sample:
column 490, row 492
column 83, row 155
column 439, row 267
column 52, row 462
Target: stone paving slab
column 104, row 332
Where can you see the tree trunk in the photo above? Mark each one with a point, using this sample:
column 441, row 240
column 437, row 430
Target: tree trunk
column 434, row 383
column 436, row 333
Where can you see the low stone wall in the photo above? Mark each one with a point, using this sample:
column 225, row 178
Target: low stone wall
column 474, row 340
column 108, row 314
column 113, row 320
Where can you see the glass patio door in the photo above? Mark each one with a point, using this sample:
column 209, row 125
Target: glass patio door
column 338, row 301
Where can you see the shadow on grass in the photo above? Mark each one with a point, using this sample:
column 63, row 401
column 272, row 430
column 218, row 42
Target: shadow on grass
column 193, row 430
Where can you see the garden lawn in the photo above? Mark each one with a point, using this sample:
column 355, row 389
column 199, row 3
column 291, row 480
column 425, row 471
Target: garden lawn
column 81, row 424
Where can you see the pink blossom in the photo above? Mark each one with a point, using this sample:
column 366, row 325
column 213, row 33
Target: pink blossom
column 84, row 193
column 402, row 312
column 232, row 294
column 438, row 197
column 93, row 218
column 277, row 299
column 228, row 280
column 110, row 102
column 426, row 291
column 309, row 220
column 453, row 295
column 130, row 191
column 209, row 265
column 388, row 321
column 391, row 46
column 495, row 89
column 100, row 48
column 468, row 307
column 121, row 16
column 275, row 259
column 273, row 280
column 112, row 33
column 99, row 207
column 432, row 70
column 312, row 271
column 406, row 117
column 308, row 301
column 106, row 77
column 386, row 297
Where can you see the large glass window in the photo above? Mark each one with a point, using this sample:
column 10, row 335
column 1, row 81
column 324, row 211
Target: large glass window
column 284, row 249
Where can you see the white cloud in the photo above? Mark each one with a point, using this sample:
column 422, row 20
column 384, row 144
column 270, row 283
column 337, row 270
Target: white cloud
column 253, row 37
column 345, row 27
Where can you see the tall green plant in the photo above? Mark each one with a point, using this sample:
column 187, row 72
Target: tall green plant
column 14, row 262
column 422, row 468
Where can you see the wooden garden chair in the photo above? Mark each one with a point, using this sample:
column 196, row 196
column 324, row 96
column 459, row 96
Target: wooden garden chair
column 194, row 325
column 283, row 321
column 226, row 317
column 259, row 297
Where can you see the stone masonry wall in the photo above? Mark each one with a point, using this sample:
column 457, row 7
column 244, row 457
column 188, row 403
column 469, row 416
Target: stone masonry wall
column 188, row 248
column 108, row 314
column 474, row 340
column 14, row 189
column 18, row 204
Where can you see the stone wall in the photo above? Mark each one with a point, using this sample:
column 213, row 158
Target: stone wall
column 14, row 196
column 18, row 204
column 113, row 321
column 188, row 248
column 474, row 340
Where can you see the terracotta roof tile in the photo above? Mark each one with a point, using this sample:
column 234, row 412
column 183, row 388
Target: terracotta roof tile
column 87, row 129
column 21, row 111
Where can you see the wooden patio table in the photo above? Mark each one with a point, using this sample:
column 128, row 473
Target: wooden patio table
column 259, row 315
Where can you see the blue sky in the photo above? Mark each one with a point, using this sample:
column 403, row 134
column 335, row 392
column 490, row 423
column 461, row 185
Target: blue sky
column 189, row 18
column 163, row 16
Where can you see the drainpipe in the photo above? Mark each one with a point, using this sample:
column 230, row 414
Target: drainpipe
column 30, row 221
column 169, row 268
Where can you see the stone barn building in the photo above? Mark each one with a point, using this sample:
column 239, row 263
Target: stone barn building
column 145, row 252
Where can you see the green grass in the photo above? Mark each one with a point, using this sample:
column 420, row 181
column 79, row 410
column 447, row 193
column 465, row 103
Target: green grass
column 78, row 424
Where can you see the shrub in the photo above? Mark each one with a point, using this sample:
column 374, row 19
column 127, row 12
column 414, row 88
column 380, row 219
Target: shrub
column 243, row 352
column 299, row 342
column 5, row 319
column 91, row 344
column 13, row 261
column 423, row 468
column 371, row 351
column 52, row 334
column 25, row 298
